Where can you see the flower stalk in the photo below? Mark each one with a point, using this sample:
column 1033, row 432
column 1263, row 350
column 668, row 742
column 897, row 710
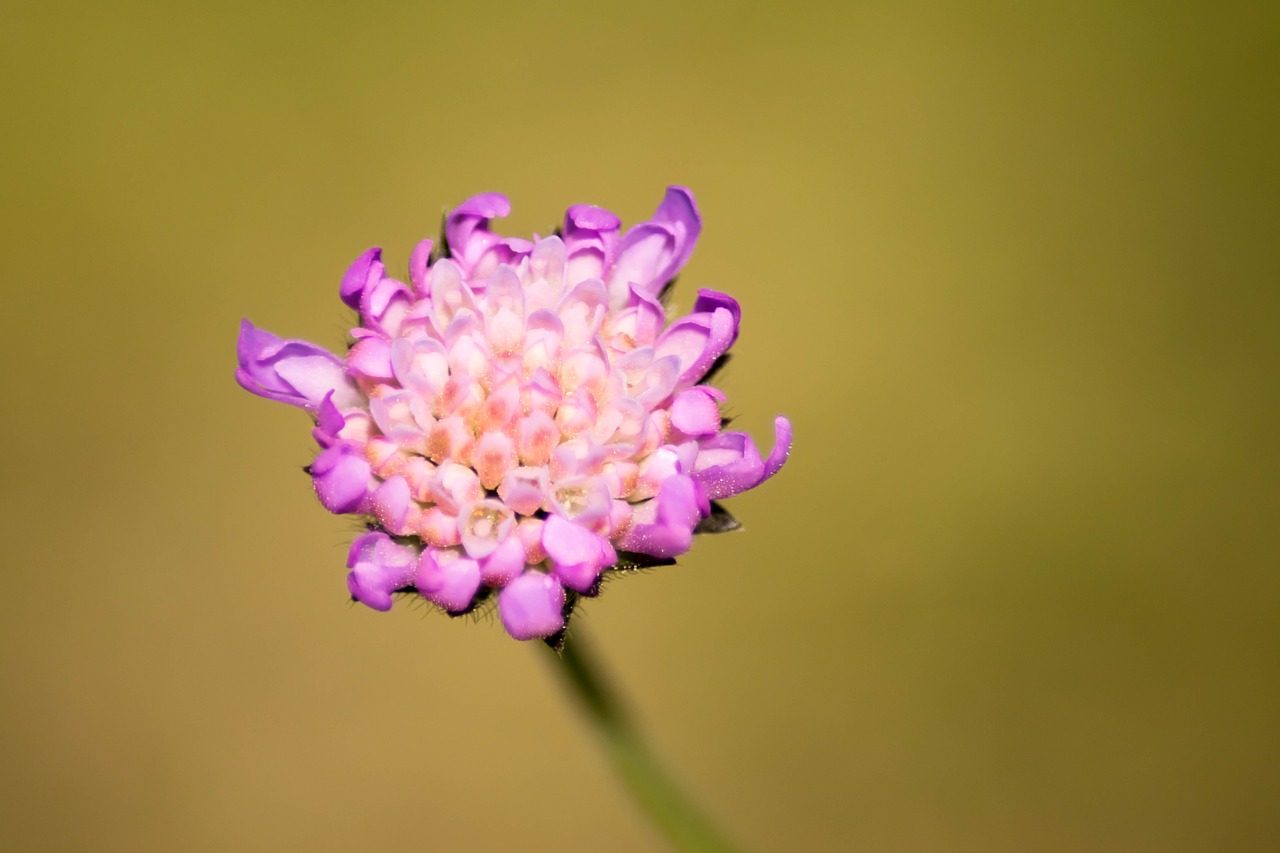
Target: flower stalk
column 674, row 814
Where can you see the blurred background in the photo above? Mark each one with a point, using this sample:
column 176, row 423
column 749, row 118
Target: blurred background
column 1010, row 268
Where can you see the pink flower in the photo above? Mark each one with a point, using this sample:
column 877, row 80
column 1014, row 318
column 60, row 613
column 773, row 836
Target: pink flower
column 519, row 417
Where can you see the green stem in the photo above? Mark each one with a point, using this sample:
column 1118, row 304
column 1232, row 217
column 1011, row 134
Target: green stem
column 665, row 804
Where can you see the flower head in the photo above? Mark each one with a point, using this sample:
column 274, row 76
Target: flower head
column 519, row 418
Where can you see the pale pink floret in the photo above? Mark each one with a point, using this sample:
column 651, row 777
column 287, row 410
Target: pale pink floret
column 520, row 411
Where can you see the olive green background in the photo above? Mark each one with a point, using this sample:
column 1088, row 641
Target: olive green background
column 1010, row 268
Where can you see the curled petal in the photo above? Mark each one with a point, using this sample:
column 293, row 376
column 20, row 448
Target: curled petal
column 532, row 606
column 364, row 271
column 477, row 249
column 679, row 211
column 291, row 371
column 697, row 340
column 588, row 223
column 652, row 253
column 419, row 261
column 641, row 254
column 781, row 448
column 508, row 250
column 467, row 228
column 590, row 239
column 729, row 463
column 709, row 300
column 384, row 304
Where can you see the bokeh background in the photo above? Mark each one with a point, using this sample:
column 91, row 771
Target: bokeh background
column 1010, row 268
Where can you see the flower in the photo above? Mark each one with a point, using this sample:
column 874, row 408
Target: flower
column 519, row 418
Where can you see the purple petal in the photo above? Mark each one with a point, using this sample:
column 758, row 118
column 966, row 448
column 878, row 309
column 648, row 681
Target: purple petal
column 578, row 554
column 532, row 606
column 377, row 547
column 697, row 340
column 709, row 300
column 366, row 269
column 341, row 478
column 291, row 371
column 679, row 211
column 467, row 228
column 642, row 253
column 379, row 566
column 384, row 304
column 371, row 358
column 419, row 261
column 696, row 411
column 507, row 250
column 675, row 512
column 588, row 222
column 590, row 239
column 650, row 315
column 391, row 503
column 651, row 253
column 781, row 448
column 368, row 585
column 729, row 463
column 449, row 583
column 505, row 564
column 329, row 422
column 658, row 381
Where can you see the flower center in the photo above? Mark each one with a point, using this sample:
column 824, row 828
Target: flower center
column 573, row 499
column 483, row 522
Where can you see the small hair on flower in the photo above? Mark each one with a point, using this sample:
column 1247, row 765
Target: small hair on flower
column 519, row 418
